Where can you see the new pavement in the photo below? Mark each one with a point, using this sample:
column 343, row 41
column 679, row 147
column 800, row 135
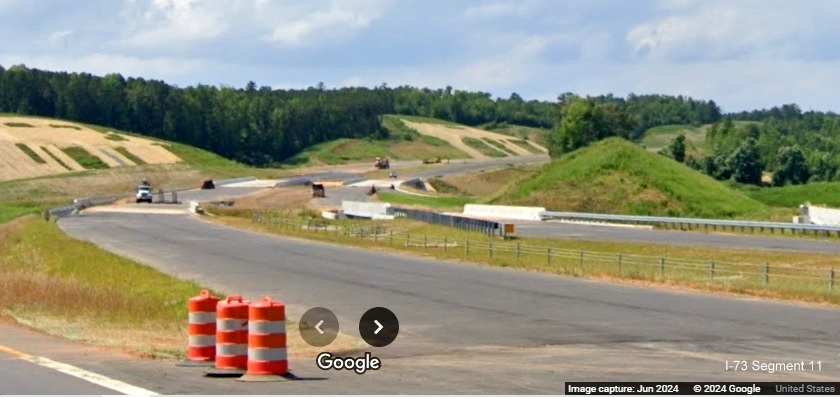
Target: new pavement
column 474, row 329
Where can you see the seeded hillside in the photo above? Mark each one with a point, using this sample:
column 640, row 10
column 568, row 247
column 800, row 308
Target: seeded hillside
column 619, row 177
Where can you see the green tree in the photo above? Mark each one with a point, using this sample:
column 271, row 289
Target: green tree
column 745, row 163
column 583, row 121
column 792, row 168
column 677, row 148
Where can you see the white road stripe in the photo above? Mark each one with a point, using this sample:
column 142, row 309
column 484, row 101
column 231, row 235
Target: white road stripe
column 97, row 379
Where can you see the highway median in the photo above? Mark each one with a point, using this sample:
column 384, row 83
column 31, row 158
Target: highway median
column 776, row 275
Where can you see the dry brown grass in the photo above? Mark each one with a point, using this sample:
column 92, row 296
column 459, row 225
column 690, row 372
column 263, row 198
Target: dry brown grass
column 42, row 133
column 72, row 289
column 278, row 198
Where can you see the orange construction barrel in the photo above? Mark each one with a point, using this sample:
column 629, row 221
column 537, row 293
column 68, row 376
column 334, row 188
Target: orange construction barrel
column 201, row 350
column 231, row 337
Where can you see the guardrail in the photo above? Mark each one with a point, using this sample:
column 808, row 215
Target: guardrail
column 695, row 223
column 779, row 277
column 488, row 228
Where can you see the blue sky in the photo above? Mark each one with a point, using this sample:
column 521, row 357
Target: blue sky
column 744, row 54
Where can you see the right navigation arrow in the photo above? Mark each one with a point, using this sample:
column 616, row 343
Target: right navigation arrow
column 378, row 325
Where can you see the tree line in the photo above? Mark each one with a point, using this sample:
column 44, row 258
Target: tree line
column 263, row 127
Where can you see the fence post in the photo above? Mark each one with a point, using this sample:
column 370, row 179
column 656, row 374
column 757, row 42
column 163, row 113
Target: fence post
column 408, row 239
column 425, row 242
column 712, row 270
column 661, row 266
column 619, row 264
column 548, row 255
column 581, row 261
column 375, row 236
column 490, row 249
column 391, row 233
column 831, row 279
column 766, row 273
column 517, row 252
column 467, row 248
column 445, row 244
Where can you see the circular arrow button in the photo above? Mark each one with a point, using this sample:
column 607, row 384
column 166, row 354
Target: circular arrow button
column 318, row 327
column 379, row 327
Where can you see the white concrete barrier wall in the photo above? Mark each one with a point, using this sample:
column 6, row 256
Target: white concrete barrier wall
column 504, row 212
column 824, row 216
column 363, row 209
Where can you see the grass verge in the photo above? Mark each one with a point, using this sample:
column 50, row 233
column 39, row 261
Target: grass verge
column 499, row 145
column 31, row 153
column 482, row 147
column 18, row 125
column 456, row 203
column 136, row 160
column 527, row 146
column 72, row 289
column 74, row 127
column 820, row 193
column 115, row 137
column 54, row 157
column 791, row 276
column 84, row 158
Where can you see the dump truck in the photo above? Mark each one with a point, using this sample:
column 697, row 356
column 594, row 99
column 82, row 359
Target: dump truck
column 382, row 163
column 318, row 190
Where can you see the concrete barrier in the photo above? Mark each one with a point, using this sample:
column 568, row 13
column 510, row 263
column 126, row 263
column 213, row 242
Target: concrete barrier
column 366, row 210
column 823, row 216
column 504, row 212
column 195, row 208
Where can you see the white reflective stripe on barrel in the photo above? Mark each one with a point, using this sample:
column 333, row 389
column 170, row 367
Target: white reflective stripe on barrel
column 262, row 355
column 202, row 318
column 267, row 327
column 231, row 325
column 202, row 340
column 231, row 350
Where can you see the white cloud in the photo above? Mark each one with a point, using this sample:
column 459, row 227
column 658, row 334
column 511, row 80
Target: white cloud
column 716, row 29
column 295, row 26
column 170, row 21
column 515, row 66
column 494, row 10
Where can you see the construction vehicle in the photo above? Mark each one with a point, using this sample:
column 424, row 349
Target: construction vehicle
column 318, row 190
column 144, row 194
column 382, row 163
column 435, row 160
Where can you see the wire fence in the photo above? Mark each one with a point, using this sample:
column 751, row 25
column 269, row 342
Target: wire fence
column 737, row 276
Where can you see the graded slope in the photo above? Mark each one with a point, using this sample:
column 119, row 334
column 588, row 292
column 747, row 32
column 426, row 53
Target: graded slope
column 619, row 177
column 456, row 135
column 57, row 147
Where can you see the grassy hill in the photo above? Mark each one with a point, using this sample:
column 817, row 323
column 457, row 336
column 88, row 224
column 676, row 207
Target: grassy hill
column 617, row 176
column 656, row 138
column 537, row 135
column 823, row 194
column 404, row 143
column 33, row 194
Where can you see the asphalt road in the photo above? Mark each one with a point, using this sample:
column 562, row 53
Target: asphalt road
column 571, row 231
column 18, row 377
column 462, row 166
column 477, row 329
